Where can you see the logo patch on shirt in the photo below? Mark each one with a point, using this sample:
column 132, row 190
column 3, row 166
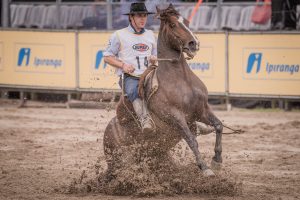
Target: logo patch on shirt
column 140, row 47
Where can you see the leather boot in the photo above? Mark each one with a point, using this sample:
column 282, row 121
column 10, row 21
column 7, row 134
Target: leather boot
column 143, row 115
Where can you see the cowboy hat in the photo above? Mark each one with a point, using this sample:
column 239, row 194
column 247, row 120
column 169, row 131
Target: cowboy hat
column 138, row 8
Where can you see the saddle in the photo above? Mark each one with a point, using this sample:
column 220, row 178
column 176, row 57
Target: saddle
column 148, row 85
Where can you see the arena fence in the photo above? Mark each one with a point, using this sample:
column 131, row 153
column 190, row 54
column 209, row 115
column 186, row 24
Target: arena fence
column 232, row 65
column 107, row 15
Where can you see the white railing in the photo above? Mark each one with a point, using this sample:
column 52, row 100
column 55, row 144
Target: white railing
column 108, row 15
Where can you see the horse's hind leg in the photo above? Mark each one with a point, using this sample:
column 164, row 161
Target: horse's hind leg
column 111, row 144
column 217, row 124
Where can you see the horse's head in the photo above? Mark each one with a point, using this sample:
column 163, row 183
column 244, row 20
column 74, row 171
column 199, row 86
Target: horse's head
column 175, row 31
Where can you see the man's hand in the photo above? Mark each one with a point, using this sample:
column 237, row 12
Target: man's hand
column 152, row 59
column 128, row 68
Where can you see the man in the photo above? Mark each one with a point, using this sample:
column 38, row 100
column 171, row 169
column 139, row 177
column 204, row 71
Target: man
column 130, row 50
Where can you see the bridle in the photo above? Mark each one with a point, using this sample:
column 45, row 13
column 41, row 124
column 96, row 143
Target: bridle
column 172, row 59
column 181, row 51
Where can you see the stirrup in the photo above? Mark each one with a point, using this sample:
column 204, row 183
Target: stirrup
column 147, row 124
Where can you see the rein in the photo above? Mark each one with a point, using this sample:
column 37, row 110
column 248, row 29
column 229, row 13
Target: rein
column 171, row 59
column 174, row 59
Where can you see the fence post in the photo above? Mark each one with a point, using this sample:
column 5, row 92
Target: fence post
column 3, row 94
column 69, row 98
column 109, row 14
column 5, row 13
column 273, row 104
column 58, row 17
column 219, row 13
column 77, row 60
column 287, row 106
column 228, row 105
column 22, row 99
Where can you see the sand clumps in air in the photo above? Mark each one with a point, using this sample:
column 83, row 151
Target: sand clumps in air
column 144, row 176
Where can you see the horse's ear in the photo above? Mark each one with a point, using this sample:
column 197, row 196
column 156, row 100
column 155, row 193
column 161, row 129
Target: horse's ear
column 171, row 6
column 157, row 9
column 157, row 15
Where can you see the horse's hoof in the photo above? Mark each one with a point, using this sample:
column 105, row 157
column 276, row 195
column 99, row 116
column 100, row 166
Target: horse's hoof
column 203, row 129
column 208, row 173
column 215, row 165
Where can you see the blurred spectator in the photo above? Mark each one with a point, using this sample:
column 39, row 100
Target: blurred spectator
column 290, row 16
column 277, row 18
column 98, row 20
column 284, row 14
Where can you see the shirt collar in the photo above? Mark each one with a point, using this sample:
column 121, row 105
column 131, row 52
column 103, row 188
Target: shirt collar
column 132, row 30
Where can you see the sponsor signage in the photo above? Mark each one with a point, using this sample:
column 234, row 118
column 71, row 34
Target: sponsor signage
column 271, row 64
column 264, row 64
column 140, row 47
column 1, row 55
column 93, row 71
column 39, row 58
column 100, row 67
column 209, row 62
column 202, row 64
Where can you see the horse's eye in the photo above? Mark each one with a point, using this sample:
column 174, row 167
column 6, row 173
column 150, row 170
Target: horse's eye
column 172, row 25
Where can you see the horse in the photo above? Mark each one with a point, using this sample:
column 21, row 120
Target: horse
column 180, row 100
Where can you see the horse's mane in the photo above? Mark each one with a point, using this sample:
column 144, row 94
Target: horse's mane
column 165, row 31
column 166, row 13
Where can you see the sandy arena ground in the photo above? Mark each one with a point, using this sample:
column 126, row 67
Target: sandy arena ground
column 44, row 150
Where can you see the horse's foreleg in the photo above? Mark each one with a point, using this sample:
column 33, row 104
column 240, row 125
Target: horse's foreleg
column 217, row 124
column 190, row 138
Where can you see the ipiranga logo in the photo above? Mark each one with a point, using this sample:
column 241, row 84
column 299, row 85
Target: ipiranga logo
column 24, row 56
column 99, row 66
column 99, row 60
column 40, row 58
column 254, row 61
column 271, row 63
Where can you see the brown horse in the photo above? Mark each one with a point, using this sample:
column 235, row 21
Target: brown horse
column 180, row 100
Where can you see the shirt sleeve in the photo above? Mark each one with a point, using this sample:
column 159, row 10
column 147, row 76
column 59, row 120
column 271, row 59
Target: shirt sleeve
column 113, row 46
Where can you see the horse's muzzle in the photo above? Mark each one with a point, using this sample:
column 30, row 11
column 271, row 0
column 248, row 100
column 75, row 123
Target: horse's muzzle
column 193, row 46
column 190, row 48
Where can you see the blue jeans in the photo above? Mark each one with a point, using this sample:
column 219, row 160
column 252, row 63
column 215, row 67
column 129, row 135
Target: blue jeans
column 131, row 85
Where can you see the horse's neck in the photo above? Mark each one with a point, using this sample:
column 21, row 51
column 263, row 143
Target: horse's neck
column 166, row 52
